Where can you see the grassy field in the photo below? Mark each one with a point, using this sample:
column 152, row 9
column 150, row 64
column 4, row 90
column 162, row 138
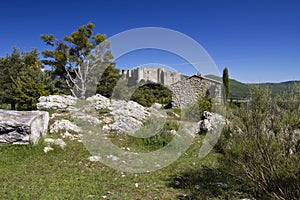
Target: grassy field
column 28, row 173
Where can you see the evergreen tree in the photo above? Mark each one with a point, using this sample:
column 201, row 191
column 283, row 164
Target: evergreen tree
column 77, row 60
column 108, row 81
column 226, row 82
column 22, row 81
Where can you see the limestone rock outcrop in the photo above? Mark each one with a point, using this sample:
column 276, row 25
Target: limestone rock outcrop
column 210, row 121
column 56, row 102
column 22, row 127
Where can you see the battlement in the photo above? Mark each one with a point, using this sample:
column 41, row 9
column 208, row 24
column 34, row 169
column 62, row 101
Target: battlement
column 156, row 75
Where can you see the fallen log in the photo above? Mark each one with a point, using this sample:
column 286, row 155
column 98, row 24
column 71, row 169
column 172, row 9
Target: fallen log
column 22, row 127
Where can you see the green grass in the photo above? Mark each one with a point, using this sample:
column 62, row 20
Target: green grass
column 28, row 173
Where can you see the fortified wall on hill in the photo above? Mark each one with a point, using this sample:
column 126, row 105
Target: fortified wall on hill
column 184, row 92
column 156, row 75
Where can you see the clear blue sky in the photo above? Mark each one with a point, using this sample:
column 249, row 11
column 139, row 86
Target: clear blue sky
column 259, row 41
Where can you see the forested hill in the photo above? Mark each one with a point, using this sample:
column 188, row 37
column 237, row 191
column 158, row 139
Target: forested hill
column 239, row 90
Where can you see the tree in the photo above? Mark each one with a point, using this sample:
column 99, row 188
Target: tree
column 77, row 60
column 109, row 79
column 22, row 81
column 226, row 82
column 151, row 93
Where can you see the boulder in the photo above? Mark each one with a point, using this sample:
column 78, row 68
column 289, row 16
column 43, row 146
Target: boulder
column 210, row 121
column 99, row 101
column 22, row 127
column 156, row 106
column 128, row 117
column 63, row 125
column 56, row 102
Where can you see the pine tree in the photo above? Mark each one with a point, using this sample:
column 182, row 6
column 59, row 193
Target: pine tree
column 22, row 81
column 78, row 60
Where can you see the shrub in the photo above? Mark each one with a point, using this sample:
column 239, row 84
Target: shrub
column 262, row 146
column 151, row 93
column 195, row 111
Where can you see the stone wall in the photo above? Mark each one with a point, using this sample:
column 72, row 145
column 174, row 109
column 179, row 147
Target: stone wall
column 156, row 75
column 188, row 90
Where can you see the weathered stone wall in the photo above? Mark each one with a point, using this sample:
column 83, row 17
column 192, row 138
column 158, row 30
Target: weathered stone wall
column 187, row 91
column 170, row 77
column 156, row 75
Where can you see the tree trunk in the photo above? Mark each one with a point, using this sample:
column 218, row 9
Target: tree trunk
column 12, row 105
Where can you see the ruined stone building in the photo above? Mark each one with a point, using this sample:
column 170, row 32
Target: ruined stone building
column 190, row 89
column 156, row 75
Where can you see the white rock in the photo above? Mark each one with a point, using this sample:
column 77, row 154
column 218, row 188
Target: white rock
column 23, row 127
column 64, row 125
column 95, row 158
column 99, row 101
column 210, row 121
column 47, row 149
column 60, row 143
column 49, row 140
column 156, row 106
column 55, row 102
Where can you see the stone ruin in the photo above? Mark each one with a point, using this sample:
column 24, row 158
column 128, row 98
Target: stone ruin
column 187, row 91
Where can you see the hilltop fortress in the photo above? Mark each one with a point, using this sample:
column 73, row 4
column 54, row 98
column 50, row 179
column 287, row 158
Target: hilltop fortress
column 156, row 75
column 184, row 91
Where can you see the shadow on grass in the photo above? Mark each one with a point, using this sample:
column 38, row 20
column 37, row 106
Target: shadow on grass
column 208, row 183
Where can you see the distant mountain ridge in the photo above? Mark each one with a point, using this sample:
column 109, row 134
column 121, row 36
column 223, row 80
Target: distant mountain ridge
column 239, row 90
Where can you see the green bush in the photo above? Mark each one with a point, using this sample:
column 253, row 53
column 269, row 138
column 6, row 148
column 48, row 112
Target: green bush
column 195, row 111
column 261, row 146
column 151, row 93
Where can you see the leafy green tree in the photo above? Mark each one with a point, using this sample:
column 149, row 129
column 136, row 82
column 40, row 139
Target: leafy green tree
column 22, row 81
column 77, row 60
column 226, row 82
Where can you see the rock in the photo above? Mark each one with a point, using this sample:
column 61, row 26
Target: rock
column 60, row 143
column 99, row 101
column 88, row 118
column 70, row 136
column 49, row 140
column 63, row 125
column 47, row 149
column 95, row 158
column 128, row 117
column 56, row 102
column 22, row 127
column 123, row 124
column 117, row 115
column 156, row 106
column 210, row 121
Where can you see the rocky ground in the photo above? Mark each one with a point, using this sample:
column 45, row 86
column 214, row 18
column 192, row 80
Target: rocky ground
column 71, row 118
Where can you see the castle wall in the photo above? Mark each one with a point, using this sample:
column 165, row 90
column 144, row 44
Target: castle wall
column 156, row 75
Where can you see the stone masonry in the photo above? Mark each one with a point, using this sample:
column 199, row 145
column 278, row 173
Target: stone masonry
column 190, row 89
column 156, row 75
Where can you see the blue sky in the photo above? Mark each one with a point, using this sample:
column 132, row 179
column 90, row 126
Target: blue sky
column 257, row 40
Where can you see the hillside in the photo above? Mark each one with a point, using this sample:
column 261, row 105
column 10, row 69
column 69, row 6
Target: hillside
column 239, row 90
column 278, row 87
